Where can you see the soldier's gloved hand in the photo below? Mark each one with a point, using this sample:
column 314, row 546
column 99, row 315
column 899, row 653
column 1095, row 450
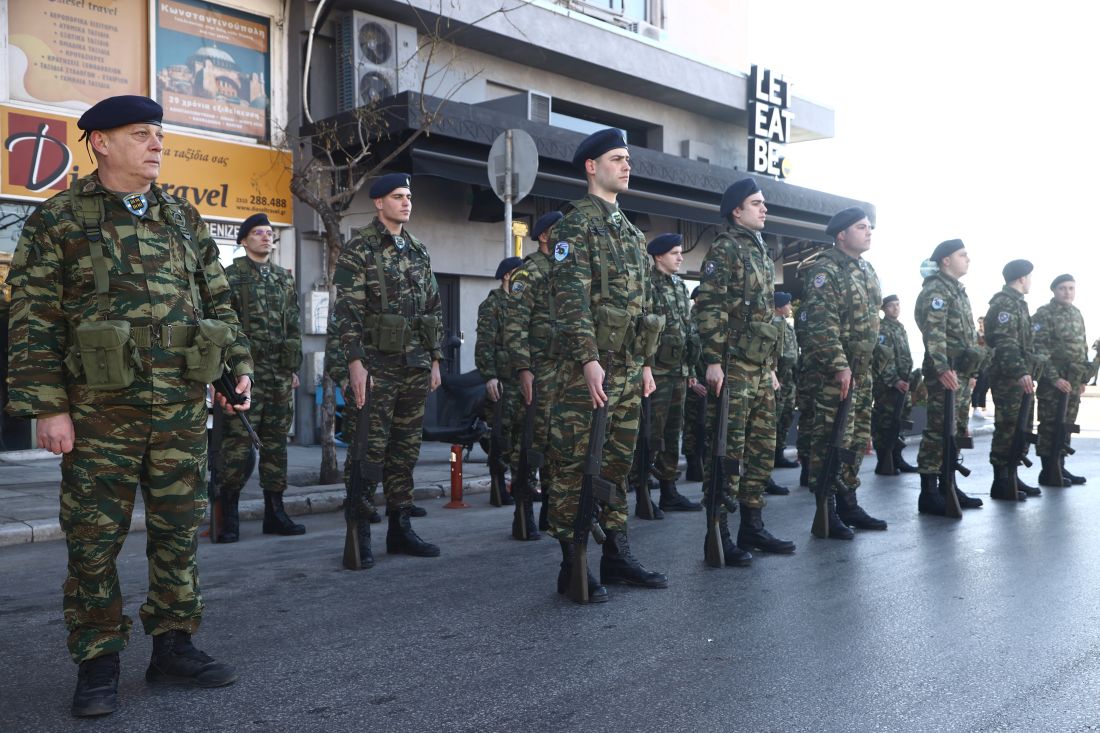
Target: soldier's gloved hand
column 1027, row 383
column 593, row 377
column 844, row 379
column 715, row 377
column 526, row 385
column 949, row 380
column 492, row 388
column 1063, row 386
column 55, row 433
column 649, row 386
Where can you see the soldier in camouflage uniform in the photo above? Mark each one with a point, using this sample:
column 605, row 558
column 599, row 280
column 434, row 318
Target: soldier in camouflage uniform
column 951, row 358
column 1060, row 334
column 695, row 404
column 786, row 368
column 116, row 288
column 266, row 302
column 493, row 361
column 740, row 347
column 388, row 319
column 530, row 337
column 600, row 283
column 891, row 365
column 677, row 349
column 1008, row 333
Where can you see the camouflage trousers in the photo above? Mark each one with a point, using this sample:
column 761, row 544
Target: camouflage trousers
column 883, row 418
column 1007, row 394
column 1048, row 417
column 162, row 449
column 570, row 425
column 545, row 384
column 270, row 413
column 513, row 400
column 930, row 455
column 784, row 408
column 826, row 391
column 750, row 432
column 666, row 418
column 396, row 422
column 804, row 401
column 695, row 408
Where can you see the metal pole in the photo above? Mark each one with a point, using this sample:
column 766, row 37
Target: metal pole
column 508, row 193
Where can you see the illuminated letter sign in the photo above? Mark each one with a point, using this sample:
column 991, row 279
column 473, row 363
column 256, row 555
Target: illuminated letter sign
column 769, row 121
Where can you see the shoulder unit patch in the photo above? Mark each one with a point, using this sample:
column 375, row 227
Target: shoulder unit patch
column 561, row 251
column 1003, row 317
column 937, row 304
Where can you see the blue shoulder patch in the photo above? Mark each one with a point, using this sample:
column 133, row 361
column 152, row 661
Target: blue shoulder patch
column 561, row 251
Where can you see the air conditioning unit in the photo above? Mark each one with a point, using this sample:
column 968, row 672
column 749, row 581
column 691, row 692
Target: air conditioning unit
column 646, row 29
column 534, row 106
column 539, row 107
column 376, row 58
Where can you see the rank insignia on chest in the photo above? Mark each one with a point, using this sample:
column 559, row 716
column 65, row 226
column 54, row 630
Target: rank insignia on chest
column 675, row 278
column 561, row 251
column 399, row 242
column 937, row 304
column 1003, row 317
column 863, row 265
column 819, row 279
column 136, row 203
column 616, row 219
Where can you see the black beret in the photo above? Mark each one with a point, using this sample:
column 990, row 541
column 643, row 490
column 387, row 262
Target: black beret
column 114, row 112
column 507, row 265
column 1016, row 269
column 843, row 219
column 694, row 292
column 1061, row 279
column 545, row 222
column 946, row 249
column 888, row 300
column 388, row 182
column 597, row 144
column 736, row 194
column 256, row 220
column 781, row 298
column 664, row 243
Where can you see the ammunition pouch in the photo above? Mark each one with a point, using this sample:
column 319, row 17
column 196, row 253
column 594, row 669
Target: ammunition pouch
column 757, row 342
column 970, row 362
column 1038, row 366
column 671, row 349
column 612, row 325
column 430, row 329
column 390, row 333
column 106, row 354
column 205, row 357
column 693, row 350
column 648, row 333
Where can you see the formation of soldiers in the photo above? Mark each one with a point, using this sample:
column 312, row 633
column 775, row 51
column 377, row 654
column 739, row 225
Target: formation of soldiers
column 121, row 316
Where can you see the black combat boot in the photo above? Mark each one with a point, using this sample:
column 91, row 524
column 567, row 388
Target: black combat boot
column 375, row 517
column 673, row 501
column 276, row 520
column 1074, row 479
column 804, row 475
column 402, row 540
column 618, row 565
column 544, row 513
column 966, row 501
column 694, row 467
column 880, row 465
column 775, row 489
column 596, row 592
column 362, row 532
column 416, row 511
column 1004, row 485
column 931, row 500
column 900, row 464
column 1026, row 488
column 529, row 520
column 1049, row 476
column 781, row 460
column 96, row 687
column 176, row 661
column 735, row 556
column 852, row 514
column 838, row 530
column 231, row 518
column 751, row 535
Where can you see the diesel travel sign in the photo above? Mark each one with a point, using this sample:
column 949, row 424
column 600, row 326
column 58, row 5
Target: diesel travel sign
column 769, row 125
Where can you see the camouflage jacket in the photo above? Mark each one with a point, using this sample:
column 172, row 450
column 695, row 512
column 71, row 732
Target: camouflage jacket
column 411, row 292
column 1060, row 335
column 788, row 350
column 892, row 360
column 840, row 311
column 147, row 262
column 266, row 302
column 529, row 318
column 1008, row 332
column 593, row 236
column 490, row 356
column 946, row 323
column 738, row 280
column 670, row 299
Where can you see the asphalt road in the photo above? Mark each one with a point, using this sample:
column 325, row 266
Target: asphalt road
column 984, row 624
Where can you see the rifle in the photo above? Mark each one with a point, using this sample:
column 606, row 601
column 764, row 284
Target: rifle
column 593, row 486
column 1021, row 434
column 226, row 386
column 950, row 462
column 836, row 455
column 720, row 468
column 1062, row 431
column 896, row 426
column 213, row 488
column 496, row 453
column 529, row 460
column 643, row 508
column 362, row 474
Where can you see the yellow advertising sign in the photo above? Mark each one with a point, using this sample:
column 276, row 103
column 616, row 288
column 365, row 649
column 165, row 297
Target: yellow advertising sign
column 223, row 180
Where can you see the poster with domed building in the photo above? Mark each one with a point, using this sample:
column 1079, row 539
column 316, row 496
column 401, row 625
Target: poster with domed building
column 213, row 68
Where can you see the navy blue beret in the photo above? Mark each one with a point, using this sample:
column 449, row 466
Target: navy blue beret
column 507, row 265
column 1061, row 279
column 1016, row 269
column 946, row 249
column 256, row 220
column 888, row 300
column 126, row 109
column 736, row 194
column 843, row 219
column 388, row 182
column 662, row 244
column 545, row 222
column 781, row 298
column 597, row 144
